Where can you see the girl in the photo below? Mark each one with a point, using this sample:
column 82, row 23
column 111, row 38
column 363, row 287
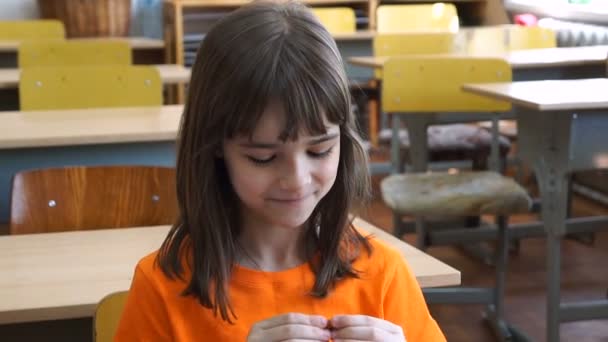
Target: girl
column 269, row 168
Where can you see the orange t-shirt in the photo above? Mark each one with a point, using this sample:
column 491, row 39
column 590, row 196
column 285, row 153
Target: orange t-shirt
column 155, row 310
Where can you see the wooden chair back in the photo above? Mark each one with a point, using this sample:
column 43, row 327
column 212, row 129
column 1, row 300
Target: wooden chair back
column 83, row 198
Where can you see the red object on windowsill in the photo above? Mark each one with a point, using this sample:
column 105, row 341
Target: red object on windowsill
column 526, row 19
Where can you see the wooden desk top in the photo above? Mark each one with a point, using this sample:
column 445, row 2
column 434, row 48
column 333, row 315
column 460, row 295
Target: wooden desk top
column 548, row 95
column 64, row 275
column 88, row 126
column 525, row 59
column 169, row 74
column 368, row 62
column 137, row 43
column 229, row 3
column 555, row 57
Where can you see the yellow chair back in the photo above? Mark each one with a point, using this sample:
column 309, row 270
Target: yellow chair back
column 418, row 17
column 63, row 87
column 530, row 37
column 107, row 316
column 57, row 53
column 31, row 29
column 413, row 43
column 337, row 19
column 483, row 41
column 433, row 84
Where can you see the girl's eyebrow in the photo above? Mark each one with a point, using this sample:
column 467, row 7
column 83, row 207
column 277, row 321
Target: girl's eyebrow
column 323, row 138
column 312, row 141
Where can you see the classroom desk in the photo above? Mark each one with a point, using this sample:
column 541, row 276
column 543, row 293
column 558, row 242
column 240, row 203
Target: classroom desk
column 365, row 35
column 136, row 43
column 535, row 64
column 145, row 50
column 108, row 136
column 169, row 74
column 562, row 127
column 64, row 275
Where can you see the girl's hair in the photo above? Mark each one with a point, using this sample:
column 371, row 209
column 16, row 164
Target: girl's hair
column 263, row 51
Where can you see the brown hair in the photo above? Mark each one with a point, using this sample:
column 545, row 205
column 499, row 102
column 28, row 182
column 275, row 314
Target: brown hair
column 261, row 52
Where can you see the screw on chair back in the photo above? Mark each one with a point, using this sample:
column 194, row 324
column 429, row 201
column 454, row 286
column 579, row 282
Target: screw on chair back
column 72, row 87
column 71, row 53
column 82, row 198
column 417, row 17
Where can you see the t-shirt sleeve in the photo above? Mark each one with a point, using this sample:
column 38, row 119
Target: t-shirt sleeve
column 144, row 317
column 405, row 306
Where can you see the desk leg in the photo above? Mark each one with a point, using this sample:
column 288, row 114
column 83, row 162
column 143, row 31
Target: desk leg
column 551, row 168
column 396, row 163
column 417, row 125
column 396, row 167
column 555, row 201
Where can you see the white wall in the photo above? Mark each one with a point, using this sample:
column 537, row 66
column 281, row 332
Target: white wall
column 18, row 9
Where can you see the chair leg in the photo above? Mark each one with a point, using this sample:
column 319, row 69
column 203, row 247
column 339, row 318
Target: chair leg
column 492, row 297
column 421, row 234
column 477, row 250
column 397, row 225
column 587, row 239
column 495, row 312
column 384, row 124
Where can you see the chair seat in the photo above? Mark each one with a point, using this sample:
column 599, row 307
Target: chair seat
column 455, row 137
column 508, row 128
column 452, row 195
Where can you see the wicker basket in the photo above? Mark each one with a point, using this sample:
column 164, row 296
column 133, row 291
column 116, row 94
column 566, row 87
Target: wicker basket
column 90, row 18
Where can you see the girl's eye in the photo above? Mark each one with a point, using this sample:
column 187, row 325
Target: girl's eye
column 261, row 161
column 320, row 155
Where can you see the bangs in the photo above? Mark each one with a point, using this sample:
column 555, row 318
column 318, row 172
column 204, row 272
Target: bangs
column 299, row 71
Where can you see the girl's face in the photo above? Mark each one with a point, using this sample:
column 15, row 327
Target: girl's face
column 280, row 183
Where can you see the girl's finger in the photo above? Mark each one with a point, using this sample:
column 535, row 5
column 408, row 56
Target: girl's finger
column 363, row 333
column 291, row 332
column 342, row 321
column 293, row 318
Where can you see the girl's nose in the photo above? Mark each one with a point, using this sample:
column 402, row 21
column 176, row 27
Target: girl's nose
column 295, row 182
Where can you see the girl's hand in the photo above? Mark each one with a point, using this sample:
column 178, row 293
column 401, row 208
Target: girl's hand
column 290, row 327
column 364, row 328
